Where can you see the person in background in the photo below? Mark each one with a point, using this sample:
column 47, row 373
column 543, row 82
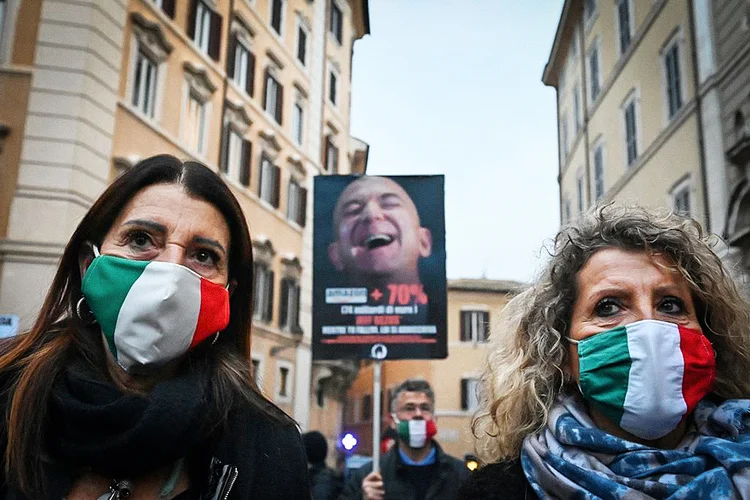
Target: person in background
column 622, row 372
column 416, row 468
column 134, row 381
column 325, row 482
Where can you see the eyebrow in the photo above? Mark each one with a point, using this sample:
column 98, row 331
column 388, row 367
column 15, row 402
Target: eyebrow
column 161, row 228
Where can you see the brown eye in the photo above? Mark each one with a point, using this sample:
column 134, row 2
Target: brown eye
column 207, row 257
column 607, row 307
column 139, row 240
column 672, row 305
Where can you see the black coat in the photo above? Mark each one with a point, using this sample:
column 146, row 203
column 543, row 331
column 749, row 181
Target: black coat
column 451, row 472
column 255, row 458
column 500, row 481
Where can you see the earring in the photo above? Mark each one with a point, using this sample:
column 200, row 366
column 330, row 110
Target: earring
column 79, row 314
column 216, row 337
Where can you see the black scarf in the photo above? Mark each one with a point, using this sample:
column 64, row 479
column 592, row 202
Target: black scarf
column 93, row 424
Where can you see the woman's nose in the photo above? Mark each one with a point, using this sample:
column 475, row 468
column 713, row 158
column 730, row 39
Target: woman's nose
column 172, row 253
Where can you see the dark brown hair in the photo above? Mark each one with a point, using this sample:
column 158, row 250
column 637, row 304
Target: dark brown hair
column 59, row 336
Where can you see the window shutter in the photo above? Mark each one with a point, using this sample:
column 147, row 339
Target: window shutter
column 485, row 327
column 279, row 103
column 231, row 55
column 224, row 159
column 168, row 7
column 276, row 15
column 465, row 326
column 296, row 326
column 326, row 152
column 247, row 154
column 284, row 303
column 191, row 19
column 332, row 89
column 277, row 186
column 266, row 82
column 268, row 313
column 302, row 45
column 335, row 167
column 302, row 212
column 250, row 83
column 464, row 394
column 214, row 42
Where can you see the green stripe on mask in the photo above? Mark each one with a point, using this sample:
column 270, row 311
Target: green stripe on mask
column 604, row 361
column 105, row 285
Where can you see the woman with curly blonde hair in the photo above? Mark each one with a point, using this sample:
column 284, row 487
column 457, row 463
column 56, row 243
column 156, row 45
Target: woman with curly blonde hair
column 621, row 372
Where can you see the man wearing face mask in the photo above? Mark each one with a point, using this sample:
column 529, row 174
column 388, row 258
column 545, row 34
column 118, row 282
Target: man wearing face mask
column 416, row 468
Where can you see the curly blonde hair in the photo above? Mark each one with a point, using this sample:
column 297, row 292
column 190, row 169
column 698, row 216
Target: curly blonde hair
column 525, row 368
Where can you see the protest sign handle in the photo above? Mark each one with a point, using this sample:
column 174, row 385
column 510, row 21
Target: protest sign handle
column 376, row 387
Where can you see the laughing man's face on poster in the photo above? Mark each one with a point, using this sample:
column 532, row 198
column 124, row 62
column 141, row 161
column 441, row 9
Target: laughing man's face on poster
column 379, row 237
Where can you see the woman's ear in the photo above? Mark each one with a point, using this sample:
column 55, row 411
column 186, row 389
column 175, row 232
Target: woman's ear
column 85, row 256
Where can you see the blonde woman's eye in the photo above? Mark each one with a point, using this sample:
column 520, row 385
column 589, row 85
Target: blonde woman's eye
column 672, row 305
column 606, row 308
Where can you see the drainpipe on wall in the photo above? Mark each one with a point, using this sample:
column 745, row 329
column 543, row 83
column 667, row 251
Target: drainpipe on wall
column 584, row 112
column 699, row 116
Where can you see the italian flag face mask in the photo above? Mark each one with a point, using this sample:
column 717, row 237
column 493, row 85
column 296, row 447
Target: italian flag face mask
column 152, row 312
column 646, row 376
column 416, row 433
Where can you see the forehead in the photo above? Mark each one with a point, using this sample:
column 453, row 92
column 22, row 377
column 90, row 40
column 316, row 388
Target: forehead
column 617, row 266
column 170, row 204
column 410, row 397
column 368, row 187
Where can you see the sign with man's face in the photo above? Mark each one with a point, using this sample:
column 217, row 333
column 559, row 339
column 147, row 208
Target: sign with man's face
column 379, row 288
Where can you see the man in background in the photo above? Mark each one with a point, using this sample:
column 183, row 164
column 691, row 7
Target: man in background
column 416, row 467
column 325, row 483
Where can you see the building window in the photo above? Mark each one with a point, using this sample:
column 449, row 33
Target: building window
column 567, row 215
column 331, row 160
column 598, row 172
column 257, row 364
column 196, row 123
column 263, row 299
column 475, row 326
column 595, row 83
column 277, row 15
column 672, row 73
column 332, row 87
column 336, row 23
column 284, row 382
column 302, row 36
column 144, row 86
column 236, row 155
column 577, row 108
column 241, row 65
column 289, row 306
column 580, row 194
column 631, row 131
column 366, row 408
column 273, row 101
column 681, row 198
column 296, row 203
column 624, row 24
column 469, row 394
column 298, row 122
column 205, row 29
column 564, row 137
column 166, row 5
column 268, row 186
column 3, row 10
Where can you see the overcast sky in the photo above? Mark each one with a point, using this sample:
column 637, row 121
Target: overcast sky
column 454, row 87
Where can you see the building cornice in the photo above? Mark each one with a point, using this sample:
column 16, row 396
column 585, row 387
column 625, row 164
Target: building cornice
column 549, row 76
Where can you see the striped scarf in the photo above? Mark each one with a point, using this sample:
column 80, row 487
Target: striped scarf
column 572, row 458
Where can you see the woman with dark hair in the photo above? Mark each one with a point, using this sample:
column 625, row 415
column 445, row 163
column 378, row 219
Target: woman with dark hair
column 622, row 372
column 134, row 381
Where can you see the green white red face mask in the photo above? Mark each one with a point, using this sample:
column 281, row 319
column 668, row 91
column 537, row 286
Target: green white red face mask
column 646, row 376
column 415, row 433
column 152, row 312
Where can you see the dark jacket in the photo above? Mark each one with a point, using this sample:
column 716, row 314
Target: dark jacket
column 500, row 481
column 326, row 483
column 255, row 458
column 451, row 472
